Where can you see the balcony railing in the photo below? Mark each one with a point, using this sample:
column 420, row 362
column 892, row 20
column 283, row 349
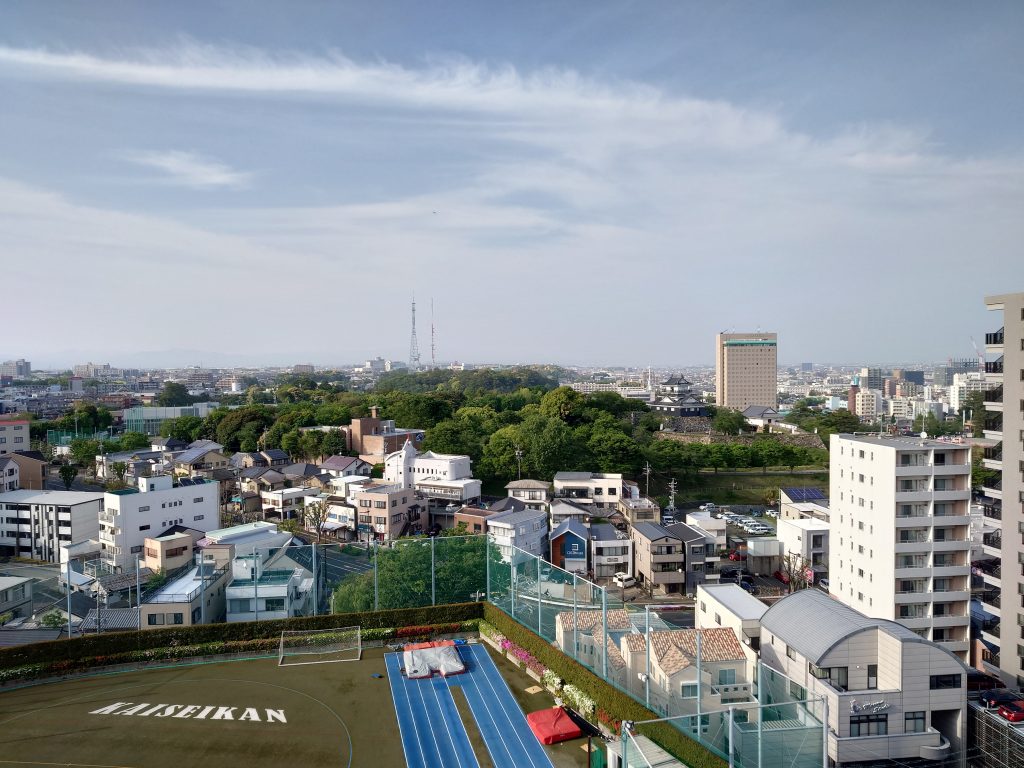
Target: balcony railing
column 996, row 366
column 994, row 422
column 994, row 453
column 995, row 338
column 990, row 657
column 992, row 598
column 992, row 511
column 994, row 395
column 990, row 567
column 992, row 540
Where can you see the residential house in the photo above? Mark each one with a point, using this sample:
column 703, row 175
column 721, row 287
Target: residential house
column 730, row 606
column 32, row 470
column 689, row 670
column 14, row 436
column 761, row 416
column 892, row 696
column 372, row 438
column 167, row 444
column 36, row 524
column 199, row 459
column 701, row 554
column 795, row 503
column 141, row 463
column 611, row 551
column 275, row 457
column 388, row 511
column 474, row 519
column 259, row 479
column 284, row 503
column 566, row 509
column 601, row 490
column 248, row 460
column 341, row 466
column 442, row 477
column 639, row 510
column 659, row 558
column 197, row 594
column 526, row 530
column 805, row 544
column 534, row 493
column 16, row 596
column 570, row 547
column 131, row 515
column 9, row 474
column 581, row 634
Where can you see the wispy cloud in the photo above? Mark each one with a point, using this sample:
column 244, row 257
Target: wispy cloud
column 190, row 169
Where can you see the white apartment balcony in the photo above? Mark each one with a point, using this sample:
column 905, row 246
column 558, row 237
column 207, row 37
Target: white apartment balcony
column 924, row 471
column 913, row 521
column 106, row 538
column 943, row 521
column 947, row 570
column 917, row 572
column 994, row 489
column 952, row 495
column 993, row 398
column 950, row 621
column 914, row 621
column 107, row 517
column 990, row 634
column 951, row 545
column 910, row 497
column 992, row 543
column 954, row 646
column 994, row 342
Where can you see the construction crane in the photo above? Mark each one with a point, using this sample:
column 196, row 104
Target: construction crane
column 981, row 357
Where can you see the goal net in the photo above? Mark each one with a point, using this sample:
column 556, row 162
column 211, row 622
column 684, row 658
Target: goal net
column 319, row 646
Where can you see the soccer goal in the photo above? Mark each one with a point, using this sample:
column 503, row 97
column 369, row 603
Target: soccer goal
column 320, row 646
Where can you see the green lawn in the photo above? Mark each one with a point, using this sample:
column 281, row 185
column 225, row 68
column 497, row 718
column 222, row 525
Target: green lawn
column 324, row 705
column 746, row 488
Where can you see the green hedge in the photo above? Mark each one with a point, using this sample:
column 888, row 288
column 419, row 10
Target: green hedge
column 110, row 644
column 618, row 704
column 260, row 647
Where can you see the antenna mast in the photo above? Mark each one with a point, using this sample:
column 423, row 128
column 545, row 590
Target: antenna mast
column 414, row 345
column 433, row 341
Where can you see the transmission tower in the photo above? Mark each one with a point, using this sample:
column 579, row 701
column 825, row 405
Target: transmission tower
column 433, row 342
column 414, row 345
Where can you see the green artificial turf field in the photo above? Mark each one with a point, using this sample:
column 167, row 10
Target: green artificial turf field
column 244, row 713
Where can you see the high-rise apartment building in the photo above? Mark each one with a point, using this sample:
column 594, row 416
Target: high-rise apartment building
column 16, row 369
column 899, row 533
column 1003, row 505
column 746, row 370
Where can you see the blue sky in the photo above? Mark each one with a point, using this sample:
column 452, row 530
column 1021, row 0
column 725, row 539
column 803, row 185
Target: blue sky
column 570, row 182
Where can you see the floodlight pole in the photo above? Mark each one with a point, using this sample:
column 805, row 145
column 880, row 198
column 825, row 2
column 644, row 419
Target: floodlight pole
column 138, row 591
column 732, row 761
column 255, row 584
column 604, row 619
column 512, row 577
column 433, row 578
column 575, row 622
column 316, row 604
column 487, row 565
column 647, row 639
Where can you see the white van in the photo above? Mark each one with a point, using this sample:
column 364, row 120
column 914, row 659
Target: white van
column 623, row 580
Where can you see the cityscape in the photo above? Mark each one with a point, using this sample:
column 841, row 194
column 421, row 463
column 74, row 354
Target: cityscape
column 620, row 395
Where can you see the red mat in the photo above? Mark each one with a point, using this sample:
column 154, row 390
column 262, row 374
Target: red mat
column 551, row 726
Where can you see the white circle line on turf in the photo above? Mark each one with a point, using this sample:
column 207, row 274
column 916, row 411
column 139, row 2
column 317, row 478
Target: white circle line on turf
column 73, row 699
column 66, row 765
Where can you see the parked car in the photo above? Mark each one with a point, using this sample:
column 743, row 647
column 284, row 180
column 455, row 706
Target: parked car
column 623, row 580
column 1012, row 711
column 782, row 576
column 737, row 555
column 978, row 682
column 772, row 513
column 823, row 584
column 709, row 507
column 992, row 699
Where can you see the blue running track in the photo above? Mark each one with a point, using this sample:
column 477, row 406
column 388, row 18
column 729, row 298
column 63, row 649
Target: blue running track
column 433, row 735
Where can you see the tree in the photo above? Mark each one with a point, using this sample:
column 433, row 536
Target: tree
column 84, row 452
column 53, row 620
column 614, row 452
column 796, row 568
column 133, row 441
column 974, row 409
column 183, row 428
column 564, row 403
column 68, row 473
column 728, row 421
column 120, row 470
column 333, row 443
column 290, row 443
column 172, row 395
column 315, row 517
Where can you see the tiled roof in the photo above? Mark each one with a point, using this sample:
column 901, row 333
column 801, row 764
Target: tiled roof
column 676, row 649
column 587, row 620
column 611, row 649
column 528, row 484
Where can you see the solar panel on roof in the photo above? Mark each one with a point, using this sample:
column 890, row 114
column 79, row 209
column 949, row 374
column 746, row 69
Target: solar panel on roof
column 184, row 481
column 804, row 494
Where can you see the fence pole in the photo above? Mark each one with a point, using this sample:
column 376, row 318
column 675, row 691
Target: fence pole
column 647, row 674
column 433, row 578
column 512, row 577
column 376, row 562
column 575, row 622
column 138, row 592
column 538, row 599
column 256, row 583
column 732, row 761
column 700, row 691
column 604, row 621
column 68, row 577
column 487, row 566
column 824, row 731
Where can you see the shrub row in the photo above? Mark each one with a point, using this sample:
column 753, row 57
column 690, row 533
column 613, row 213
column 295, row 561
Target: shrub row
column 170, row 653
column 109, row 644
column 613, row 705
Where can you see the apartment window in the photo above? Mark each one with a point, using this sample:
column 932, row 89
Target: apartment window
column 869, row 725
column 688, row 691
column 177, row 618
column 703, row 607
column 240, row 606
column 860, row 478
column 144, row 509
column 198, row 517
column 860, row 454
column 943, row 682
column 872, row 677
column 727, row 677
column 155, row 619
column 790, row 653
column 197, row 500
column 143, row 527
column 275, row 603
column 913, row 722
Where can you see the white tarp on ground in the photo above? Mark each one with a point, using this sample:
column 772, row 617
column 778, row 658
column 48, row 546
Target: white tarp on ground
column 423, row 662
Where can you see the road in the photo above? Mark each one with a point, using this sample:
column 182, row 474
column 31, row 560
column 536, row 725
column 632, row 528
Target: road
column 54, row 483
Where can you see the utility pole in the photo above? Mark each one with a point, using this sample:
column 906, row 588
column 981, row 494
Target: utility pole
column 519, row 461
column 433, row 341
column 647, row 474
column 672, row 493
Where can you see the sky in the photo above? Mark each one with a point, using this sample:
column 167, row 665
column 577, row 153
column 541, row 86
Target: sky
column 592, row 183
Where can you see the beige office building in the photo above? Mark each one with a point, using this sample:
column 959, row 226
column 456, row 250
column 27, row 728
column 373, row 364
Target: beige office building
column 1003, row 505
column 746, row 370
column 899, row 533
